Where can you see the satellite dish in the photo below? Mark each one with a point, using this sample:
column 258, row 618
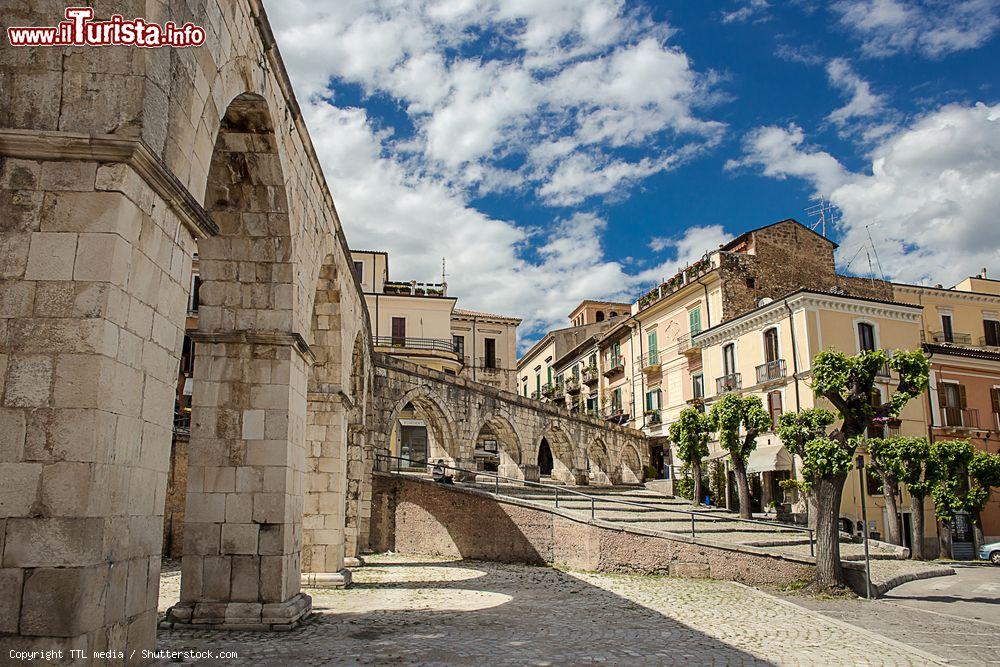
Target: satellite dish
column 764, row 301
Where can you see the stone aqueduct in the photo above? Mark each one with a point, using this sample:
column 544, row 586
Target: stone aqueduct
column 116, row 166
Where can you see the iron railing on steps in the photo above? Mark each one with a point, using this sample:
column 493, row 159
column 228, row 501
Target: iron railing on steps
column 400, row 465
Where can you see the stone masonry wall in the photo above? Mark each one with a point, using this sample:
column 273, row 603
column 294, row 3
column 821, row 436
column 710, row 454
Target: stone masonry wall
column 420, row 517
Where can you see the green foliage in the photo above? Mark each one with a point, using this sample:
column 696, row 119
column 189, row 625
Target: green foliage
column 824, row 457
column 795, row 429
column 916, row 471
column 950, row 461
column 887, row 462
column 984, row 473
column 717, row 480
column 690, row 433
column 848, row 383
column 684, row 487
column 733, row 412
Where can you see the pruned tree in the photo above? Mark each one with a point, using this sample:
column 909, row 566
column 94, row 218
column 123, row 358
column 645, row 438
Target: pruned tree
column 984, row 474
column 795, row 429
column 919, row 476
column 964, row 478
column 848, row 382
column 888, row 464
column 690, row 433
column 732, row 415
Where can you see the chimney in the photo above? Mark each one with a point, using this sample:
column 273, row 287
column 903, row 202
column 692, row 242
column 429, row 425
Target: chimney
column 982, row 274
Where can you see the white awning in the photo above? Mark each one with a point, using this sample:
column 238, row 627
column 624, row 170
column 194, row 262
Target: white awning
column 412, row 422
column 769, row 458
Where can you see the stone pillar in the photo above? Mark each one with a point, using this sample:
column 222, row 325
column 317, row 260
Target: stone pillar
column 94, row 273
column 246, row 463
column 326, row 481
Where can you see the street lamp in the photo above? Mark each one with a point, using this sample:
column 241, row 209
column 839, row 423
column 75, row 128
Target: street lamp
column 864, row 530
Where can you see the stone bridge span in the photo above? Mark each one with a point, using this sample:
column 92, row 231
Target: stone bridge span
column 459, row 413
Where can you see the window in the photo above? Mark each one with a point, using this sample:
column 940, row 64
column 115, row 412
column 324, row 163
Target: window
column 593, row 361
column 654, row 354
column 866, row 337
column 613, row 314
column 751, row 283
column 359, row 271
column 992, row 330
column 694, row 320
column 491, row 353
column 187, row 356
column 995, row 400
column 459, row 344
column 616, row 400
column 576, row 372
column 399, row 331
column 952, row 398
column 698, row 386
column 771, row 345
column 774, row 408
column 729, row 359
column 600, row 316
column 195, row 289
column 548, row 375
column 947, row 329
column 653, row 399
column 876, row 429
column 538, row 383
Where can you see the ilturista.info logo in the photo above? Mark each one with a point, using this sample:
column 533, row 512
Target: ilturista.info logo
column 80, row 29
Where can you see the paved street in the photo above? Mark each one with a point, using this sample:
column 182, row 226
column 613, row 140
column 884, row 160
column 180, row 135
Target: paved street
column 408, row 611
column 955, row 617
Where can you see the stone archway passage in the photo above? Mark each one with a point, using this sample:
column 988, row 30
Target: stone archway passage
column 599, row 468
column 631, row 466
column 546, row 462
column 498, row 448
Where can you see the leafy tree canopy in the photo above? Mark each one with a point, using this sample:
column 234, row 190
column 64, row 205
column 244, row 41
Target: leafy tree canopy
column 824, row 457
column 733, row 412
column 795, row 429
column 690, row 433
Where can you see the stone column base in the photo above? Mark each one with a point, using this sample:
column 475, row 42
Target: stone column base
column 239, row 615
column 339, row 579
column 354, row 562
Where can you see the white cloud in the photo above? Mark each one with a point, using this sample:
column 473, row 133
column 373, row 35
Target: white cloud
column 748, row 10
column 549, row 103
column 931, row 197
column 781, row 152
column 862, row 103
column 935, row 28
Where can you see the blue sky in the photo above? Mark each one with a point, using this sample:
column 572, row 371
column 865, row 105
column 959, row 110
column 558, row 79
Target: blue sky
column 569, row 149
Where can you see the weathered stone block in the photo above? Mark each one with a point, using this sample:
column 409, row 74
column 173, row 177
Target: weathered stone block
column 51, row 256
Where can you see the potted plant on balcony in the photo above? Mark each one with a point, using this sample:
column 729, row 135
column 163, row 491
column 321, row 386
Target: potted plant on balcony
column 652, row 416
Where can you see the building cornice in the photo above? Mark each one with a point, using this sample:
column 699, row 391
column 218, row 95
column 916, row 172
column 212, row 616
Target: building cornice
column 136, row 153
column 804, row 300
column 958, row 295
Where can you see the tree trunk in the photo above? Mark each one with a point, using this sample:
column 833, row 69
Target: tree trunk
column 917, row 524
column 889, row 491
column 742, row 487
column 828, row 491
column 697, row 490
column 978, row 539
column 811, row 509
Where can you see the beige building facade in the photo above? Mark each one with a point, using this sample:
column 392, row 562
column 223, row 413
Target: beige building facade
column 487, row 344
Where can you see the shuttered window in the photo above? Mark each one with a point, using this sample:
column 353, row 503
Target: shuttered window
column 774, row 407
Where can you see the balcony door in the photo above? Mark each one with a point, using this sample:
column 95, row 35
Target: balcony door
column 491, row 353
column 952, row 398
column 398, row 331
column 729, row 360
column 771, row 345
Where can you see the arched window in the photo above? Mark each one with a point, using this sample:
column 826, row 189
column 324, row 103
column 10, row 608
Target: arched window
column 614, row 314
column 600, row 316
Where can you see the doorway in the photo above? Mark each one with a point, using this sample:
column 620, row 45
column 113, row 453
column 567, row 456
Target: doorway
column 544, row 458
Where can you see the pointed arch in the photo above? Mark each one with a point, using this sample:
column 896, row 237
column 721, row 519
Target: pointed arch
column 509, row 451
column 599, row 469
column 630, row 464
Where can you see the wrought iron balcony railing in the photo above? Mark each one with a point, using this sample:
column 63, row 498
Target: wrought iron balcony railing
column 686, row 343
column 951, row 337
column 772, row 370
column 435, row 344
column 616, row 365
column 652, row 417
column 730, row 382
column 573, row 385
column 589, row 374
column 650, row 361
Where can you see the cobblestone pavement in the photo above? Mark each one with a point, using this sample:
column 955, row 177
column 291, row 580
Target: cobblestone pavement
column 404, row 610
column 954, row 617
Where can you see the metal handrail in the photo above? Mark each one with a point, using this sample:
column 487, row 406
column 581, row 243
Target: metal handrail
column 438, row 344
column 709, row 516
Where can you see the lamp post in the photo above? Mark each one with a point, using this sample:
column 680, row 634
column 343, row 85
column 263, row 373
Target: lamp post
column 864, row 531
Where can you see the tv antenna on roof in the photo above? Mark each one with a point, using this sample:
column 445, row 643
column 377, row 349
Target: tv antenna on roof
column 823, row 213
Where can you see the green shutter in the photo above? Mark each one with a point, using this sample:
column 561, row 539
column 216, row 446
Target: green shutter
column 694, row 320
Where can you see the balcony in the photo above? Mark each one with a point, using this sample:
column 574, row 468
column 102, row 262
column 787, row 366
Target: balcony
column 572, row 385
column 959, row 417
column 490, row 366
column 615, row 414
column 431, row 344
column 989, row 341
column 682, row 278
column 950, row 338
column 727, row 383
column 559, row 391
column 770, row 371
column 616, row 365
column 687, row 345
column 589, row 375
column 650, row 362
column 413, row 288
column 652, row 417
column 548, row 390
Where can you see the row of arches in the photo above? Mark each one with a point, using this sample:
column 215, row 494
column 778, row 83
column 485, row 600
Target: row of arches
column 421, row 428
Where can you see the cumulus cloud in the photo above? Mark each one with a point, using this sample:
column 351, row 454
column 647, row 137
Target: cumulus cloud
column 930, row 198
column 568, row 101
column 934, row 28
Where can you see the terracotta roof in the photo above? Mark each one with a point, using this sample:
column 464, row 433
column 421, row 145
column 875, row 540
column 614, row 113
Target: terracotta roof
column 962, row 351
column 476, row 313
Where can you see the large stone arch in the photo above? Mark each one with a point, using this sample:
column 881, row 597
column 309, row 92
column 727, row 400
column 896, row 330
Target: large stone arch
column 566, row 458
column 441, row 423
column 360, row 454
column 599, row 467
column 510, row 451
column 630, row 465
